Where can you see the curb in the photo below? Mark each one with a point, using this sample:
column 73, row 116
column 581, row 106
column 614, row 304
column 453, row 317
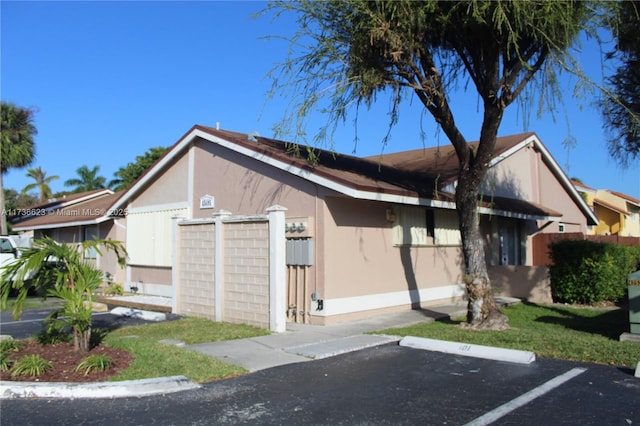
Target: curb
column 466, row 349
column 122, row 389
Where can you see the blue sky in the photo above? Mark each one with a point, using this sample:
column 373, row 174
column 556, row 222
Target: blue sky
column 109, row 80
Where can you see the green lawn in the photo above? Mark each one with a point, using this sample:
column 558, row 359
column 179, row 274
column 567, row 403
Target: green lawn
column 154, row 359
column 551, row 331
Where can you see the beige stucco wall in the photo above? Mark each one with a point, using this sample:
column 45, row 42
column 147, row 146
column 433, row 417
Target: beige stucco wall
column 171, row 186
column 152, row 280
column 107, row 262
column 524, row 282
column 361, row 264
column 245, row 186
column 514, row 177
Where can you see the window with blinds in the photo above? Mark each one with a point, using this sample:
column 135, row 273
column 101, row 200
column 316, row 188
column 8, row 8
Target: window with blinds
column 419, row 226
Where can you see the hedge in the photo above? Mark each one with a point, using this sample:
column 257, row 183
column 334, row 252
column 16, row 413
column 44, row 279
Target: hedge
column 588, row 272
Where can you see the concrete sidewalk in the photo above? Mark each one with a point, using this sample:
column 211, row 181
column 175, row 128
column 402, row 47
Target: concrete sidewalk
column 304, row 342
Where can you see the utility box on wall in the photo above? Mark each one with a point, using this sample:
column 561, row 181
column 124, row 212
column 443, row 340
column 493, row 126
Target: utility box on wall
column 299, row 252
column 633, row 281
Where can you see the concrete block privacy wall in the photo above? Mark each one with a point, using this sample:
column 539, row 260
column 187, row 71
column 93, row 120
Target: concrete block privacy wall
column 224, row 268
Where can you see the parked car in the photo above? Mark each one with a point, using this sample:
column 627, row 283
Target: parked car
column 11, row 247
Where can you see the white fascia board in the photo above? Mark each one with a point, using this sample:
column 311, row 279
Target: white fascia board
column 564, row 179
column 515, row 215
column 159, row 207
column 63, row 204
column 64, row 225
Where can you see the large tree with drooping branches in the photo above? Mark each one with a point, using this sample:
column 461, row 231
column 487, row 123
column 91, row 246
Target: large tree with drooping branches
column 346, row 54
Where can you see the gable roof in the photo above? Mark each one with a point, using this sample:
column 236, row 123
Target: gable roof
column 87, row 208
column 629, row 199
column 418, row 177
column 610, row 206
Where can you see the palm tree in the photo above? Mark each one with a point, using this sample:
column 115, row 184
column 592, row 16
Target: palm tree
column 87, row 180
column 17, row 148
column 70, row 278
column 41, row 183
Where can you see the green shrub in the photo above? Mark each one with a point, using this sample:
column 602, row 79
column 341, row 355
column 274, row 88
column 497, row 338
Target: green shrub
column 5, row 361
column 94, row 363
column 53, row 332
column 31, row 365
column 588, row 272
column 115, row 288
column 10, row 345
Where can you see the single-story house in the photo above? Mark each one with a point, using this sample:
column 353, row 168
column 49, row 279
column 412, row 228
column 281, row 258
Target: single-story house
column 75, row 218
column 379, row 234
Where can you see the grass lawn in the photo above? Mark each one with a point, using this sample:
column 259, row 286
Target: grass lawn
column 550, row 331
column 154, row 359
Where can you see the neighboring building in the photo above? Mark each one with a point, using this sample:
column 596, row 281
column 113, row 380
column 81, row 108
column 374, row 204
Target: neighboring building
column 76, row 218
column 617, row 213
column 382, row 231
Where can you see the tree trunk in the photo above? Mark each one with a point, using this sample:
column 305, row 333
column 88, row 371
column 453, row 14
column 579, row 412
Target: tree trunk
column 482, row 311
column 3, row 219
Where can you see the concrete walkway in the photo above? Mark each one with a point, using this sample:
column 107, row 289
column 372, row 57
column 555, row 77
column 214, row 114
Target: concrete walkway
column 304, row 342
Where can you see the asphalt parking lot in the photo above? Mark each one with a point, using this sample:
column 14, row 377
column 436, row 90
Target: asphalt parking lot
column 30, row 322
column 384, row 385
column 387, row 384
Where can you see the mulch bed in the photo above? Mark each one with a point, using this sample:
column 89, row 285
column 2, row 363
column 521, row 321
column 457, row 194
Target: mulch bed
column 65, row 360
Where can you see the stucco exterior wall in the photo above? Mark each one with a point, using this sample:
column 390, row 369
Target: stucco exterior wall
column 107, row 262
column 525, row 282
column 363, row 269
column 553, row 195
column 150, row 280
column 170, row 187
column 245, row 186
column 514, row 177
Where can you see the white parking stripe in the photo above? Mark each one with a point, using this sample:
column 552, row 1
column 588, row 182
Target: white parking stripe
column 524, row 399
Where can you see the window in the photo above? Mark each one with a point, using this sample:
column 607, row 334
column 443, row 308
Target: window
column 561, row 227
column 419, row 226
column 511, row 243
column 5, row 246
column 90, row 232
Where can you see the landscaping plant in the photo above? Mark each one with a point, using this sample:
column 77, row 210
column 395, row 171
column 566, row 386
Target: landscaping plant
column 94, row 363
column 31, row 365
column 60, row 270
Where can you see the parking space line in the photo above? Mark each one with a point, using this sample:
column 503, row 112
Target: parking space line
column 524, row 399
column 4, row 323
